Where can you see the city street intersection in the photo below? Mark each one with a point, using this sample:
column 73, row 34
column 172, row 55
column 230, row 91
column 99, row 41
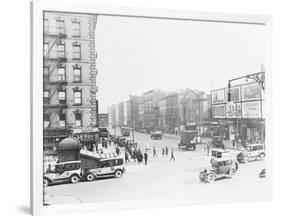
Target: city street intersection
column 164, row 179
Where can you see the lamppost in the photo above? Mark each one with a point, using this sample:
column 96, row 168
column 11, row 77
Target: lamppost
column 258, row 77
column 132, row 120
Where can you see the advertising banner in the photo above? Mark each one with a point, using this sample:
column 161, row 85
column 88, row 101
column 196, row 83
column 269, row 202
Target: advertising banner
column 218, row 96
column 235, row 93
column 251, row 92
column 251, row 109
column 233, row 110
column 219, row 111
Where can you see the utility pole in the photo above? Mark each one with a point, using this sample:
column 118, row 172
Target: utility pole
column 132, row 114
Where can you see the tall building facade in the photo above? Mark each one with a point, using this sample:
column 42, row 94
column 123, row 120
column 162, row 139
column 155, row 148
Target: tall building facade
column 69, row 71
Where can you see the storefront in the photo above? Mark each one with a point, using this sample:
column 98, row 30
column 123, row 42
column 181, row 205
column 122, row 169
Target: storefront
column 243, row 115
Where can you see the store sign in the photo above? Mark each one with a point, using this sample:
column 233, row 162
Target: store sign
column 251, row 109
column 251, row 92
column 219, row 111
column 233, row 110
column 218, row 97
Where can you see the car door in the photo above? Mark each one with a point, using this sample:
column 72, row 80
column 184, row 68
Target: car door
column 104, row 168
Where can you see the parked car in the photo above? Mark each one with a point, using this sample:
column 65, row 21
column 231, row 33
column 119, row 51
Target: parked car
column 217, row 142
column 221, row 167
column 252, row 152
column 109, row 167
column 66, row 171
column 156, row 135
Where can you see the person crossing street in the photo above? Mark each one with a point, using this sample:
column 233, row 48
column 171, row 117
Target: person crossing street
column 172, row 155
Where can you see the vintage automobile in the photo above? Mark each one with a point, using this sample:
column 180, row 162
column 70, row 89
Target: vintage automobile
column 156, row 135
column 252, row 152
column 219, row 153
column 221, row 167
column 217, row 142
column 66, row 171
column 108, row 167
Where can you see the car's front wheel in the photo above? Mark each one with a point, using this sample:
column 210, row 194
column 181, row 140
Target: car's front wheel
column 201, row 176
column 211, row 178
column 246, row 159
column 90, row 177
column 231, row 173
column 262, row 156
column 45, row 182
column 74, row 179
column 118, row 173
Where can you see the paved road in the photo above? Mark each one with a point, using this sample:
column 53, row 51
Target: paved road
column 167, row 180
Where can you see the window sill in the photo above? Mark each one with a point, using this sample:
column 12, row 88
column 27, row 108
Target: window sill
column 80, row 104
column 76, row 58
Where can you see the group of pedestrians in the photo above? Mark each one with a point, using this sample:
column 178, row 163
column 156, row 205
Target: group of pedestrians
column 138, row 157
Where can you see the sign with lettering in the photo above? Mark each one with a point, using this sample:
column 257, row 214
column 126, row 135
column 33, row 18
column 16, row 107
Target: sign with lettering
column 219, row 111
column 251, row 92
column 252, row 109
column 218, row 96
column 233, row 110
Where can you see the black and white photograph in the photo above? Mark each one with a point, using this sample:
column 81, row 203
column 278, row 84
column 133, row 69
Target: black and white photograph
column 139, row 108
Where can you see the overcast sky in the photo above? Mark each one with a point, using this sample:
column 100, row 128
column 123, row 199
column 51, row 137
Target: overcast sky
column 136, row 55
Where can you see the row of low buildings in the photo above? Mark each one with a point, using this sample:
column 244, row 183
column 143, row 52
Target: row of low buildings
column 213, row 113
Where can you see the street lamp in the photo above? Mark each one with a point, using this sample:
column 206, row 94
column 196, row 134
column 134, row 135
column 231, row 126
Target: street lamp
column 132, row 120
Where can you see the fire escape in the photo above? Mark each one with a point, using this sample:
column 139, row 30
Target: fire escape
column 52, row 62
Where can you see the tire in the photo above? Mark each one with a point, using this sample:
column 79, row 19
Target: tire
column 231, row 173
column 74, row 179
column 45, row 182
column 246, row 159
column 261, row 157
column 201, row 176
column 211, row 178
column 90, row 177
column 118, row 173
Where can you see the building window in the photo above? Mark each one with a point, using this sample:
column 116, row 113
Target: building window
column 46, row 96
column 46, row 25
column 76, row 73
column 61, row 74
column 60, row 25
column 76, row 50
column 61, row 50
column 62, row 119
column 46, row 73
column 46, row 120
column 78, row 97
column 62, row 97
column 46, row 48
column 75, row 28
column 78, row 119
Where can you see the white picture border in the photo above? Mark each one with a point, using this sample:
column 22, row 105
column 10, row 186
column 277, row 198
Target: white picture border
column 37, row 8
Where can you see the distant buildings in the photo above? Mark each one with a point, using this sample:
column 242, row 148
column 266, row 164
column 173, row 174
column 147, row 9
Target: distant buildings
column 167, row 111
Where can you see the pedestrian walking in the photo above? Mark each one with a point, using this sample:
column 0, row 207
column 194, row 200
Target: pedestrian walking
column 167, row 151
column 145, row 157
column 172, row 155
column 208, row 148
column 154, row 152
column 117, row 150
column 163, row 152
column 126, row 157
